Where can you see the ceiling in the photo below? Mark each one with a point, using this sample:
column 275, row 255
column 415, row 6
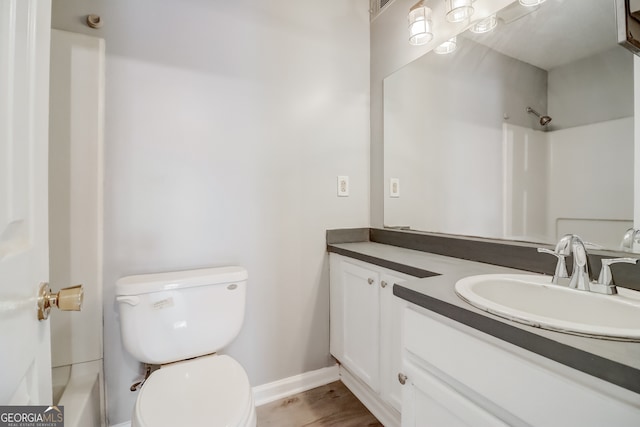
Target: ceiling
column 555, row 33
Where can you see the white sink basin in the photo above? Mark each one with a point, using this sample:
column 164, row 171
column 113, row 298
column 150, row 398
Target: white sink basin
column 535, row 301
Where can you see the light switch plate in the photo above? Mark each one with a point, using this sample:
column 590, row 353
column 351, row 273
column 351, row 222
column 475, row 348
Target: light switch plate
column 394, row 187
column 343, row 186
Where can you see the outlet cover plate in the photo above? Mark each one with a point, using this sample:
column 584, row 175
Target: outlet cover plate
column 343, row 186
column 394, row 187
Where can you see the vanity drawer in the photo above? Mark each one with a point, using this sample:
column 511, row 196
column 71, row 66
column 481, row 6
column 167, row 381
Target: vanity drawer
column 507, row 385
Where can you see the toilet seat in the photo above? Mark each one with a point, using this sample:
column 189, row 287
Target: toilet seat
column 206, row 391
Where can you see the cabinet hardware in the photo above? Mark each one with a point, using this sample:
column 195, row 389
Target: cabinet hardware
column 370, row 281
column 383, row 284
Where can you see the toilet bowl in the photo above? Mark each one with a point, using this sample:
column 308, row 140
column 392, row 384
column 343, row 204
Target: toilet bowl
column 207, row 391
column 179, row 320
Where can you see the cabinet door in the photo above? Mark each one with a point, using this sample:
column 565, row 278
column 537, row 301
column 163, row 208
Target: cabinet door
column 427, row 401
column 361, row 326
column 391, row 323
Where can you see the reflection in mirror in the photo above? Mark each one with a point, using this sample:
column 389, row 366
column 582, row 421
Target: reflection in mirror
column 466, row 155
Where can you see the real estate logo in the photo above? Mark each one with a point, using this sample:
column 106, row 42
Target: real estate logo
column 31, row 416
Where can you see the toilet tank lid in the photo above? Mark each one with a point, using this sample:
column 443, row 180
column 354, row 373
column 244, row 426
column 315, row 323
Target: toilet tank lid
column 156, row 282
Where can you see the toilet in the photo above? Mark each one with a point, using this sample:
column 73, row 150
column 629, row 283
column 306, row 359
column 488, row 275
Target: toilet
column 178, row 320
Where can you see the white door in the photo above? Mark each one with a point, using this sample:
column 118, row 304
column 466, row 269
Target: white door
column 25, row 358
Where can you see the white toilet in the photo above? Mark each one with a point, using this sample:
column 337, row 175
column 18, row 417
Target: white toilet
column 178, row 320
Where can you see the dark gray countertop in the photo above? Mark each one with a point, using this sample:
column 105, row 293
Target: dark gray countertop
column 616, row 362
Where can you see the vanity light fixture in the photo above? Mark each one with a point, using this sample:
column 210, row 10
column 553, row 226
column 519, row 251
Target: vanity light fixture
column 447, row 47
column 420, row 31
column 531, row 3
column 459, row 10
column 485, row 25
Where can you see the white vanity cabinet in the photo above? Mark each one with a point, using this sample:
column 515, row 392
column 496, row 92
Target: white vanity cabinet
column 457, row 376
column 366, row 328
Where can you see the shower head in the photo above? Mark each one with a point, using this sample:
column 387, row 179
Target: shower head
column 544, row 120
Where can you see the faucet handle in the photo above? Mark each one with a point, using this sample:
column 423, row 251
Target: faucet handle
column 606, row 278
column 561, row 266
column 548, row 251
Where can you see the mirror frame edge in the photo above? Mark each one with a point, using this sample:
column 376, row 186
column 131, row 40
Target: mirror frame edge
column 626, row 24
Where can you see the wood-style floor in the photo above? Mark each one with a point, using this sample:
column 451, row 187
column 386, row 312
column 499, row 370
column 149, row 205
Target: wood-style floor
column 329, row 405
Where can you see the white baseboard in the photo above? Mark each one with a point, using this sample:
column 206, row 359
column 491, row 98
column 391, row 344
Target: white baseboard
column 280, row 389
column 127, row 424
column 388, row 416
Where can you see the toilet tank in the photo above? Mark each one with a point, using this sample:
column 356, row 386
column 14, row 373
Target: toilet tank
column 166, row 317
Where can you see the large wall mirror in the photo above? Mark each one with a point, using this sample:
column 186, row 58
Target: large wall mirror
column 523, row 133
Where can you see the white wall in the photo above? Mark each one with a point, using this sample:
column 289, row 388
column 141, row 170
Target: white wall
column 226, row 126
column 591, row 90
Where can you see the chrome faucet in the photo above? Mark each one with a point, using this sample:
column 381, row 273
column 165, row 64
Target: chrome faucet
column 581, row 275
column 571, row 244
column 631, row 236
